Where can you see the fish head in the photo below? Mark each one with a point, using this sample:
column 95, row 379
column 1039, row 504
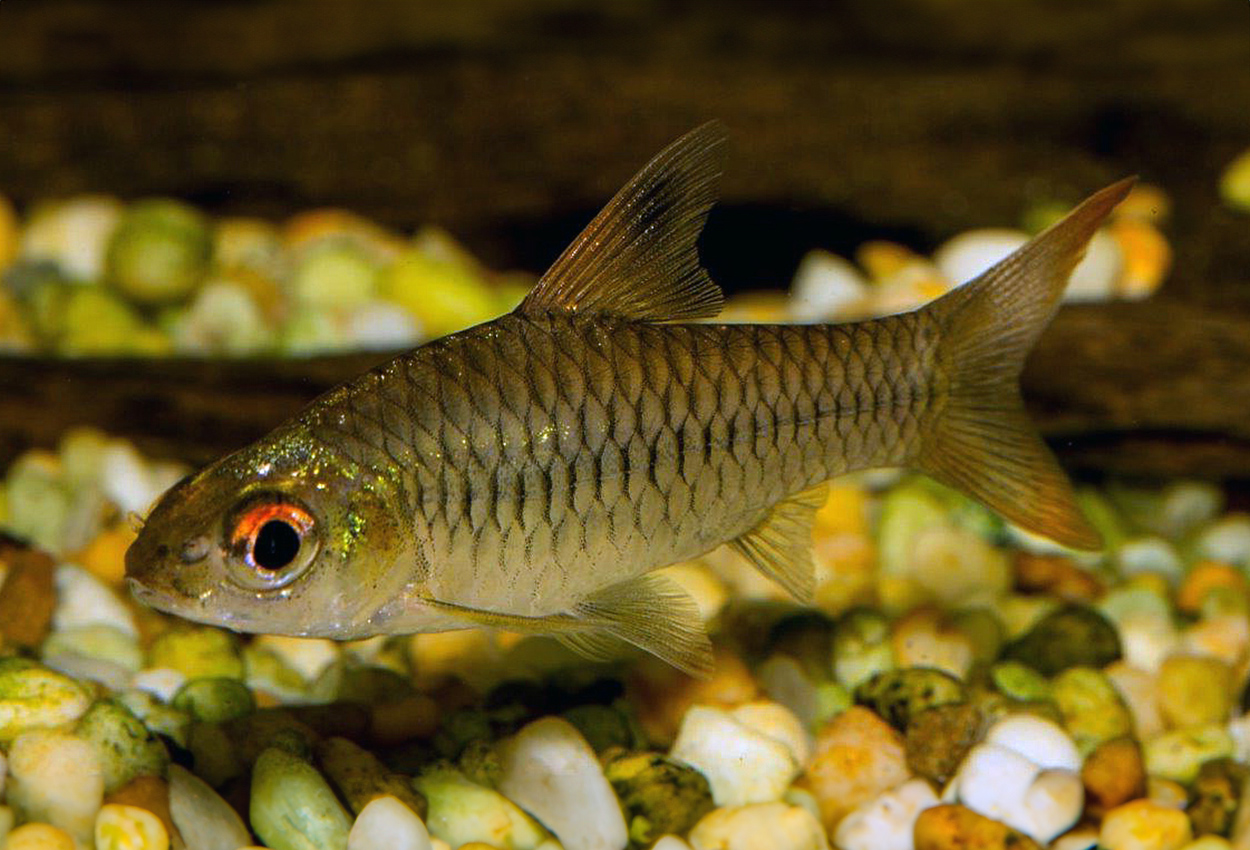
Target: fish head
column 285, row 536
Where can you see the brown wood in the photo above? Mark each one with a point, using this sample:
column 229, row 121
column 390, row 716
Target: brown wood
column 1154, row 388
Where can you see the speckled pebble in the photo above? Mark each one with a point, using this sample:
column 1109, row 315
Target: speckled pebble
column 857, row 756
column 1178, row 755
column 953, row 827
column 1144, row 825
column 763, row 826
column 129, row 828
column 56, row 778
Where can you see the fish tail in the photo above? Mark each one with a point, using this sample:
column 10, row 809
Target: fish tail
column 982, row 441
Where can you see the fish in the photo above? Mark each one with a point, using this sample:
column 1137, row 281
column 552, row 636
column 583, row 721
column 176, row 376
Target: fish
column 533, row 472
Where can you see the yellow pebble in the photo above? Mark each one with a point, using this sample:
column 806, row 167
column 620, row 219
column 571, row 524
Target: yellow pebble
column 1145, row 825
column 1194, row 691
column 1235, row 183
column 1209, row 842
column 1147, row 257
column 38, row 836
column 119, row 827
column 105, row 556
column 1204, row 577
column 844, row 512
column 1145, row 203
column 8, row 233
column 883, row 259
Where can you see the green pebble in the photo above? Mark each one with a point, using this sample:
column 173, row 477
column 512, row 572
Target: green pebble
column 126, row 747
column 444, row 295
column 1216, row 795
column 898, row 695
column 658, row 795
column 97, row 322
column 602, row 726
column 198, row 652
column 461, row 812
column 1071, row 636
column 359, row 776
column 214, row 700
column 106, row 643
column 268, row 672
column 38, row 500
column 1019, row 681
column 984, row 630
column 214, row 757
column 293, row 807
column 335, row 273
column 350, row 681
column 938, row 738
column 861, row 647
column 831, row 700
column 159, row 252
column 157, row 716
column 1091, row 708
column 1180, row 754
column 907, row 511
column 35, row 697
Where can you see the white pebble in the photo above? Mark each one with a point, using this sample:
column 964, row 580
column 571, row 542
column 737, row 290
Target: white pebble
column 160, row 682
column 549, row 770
column 381, row 325
column 784, row 680
column 74, row 234
column 203, row 818
column 1151, row 555
column 824, row 284
column 888, row 821
column 1227, row 540
column 1040, row 741
column 125, row 478
column 84, row 600
column 56, row 778
column 965, row 256
column 742, row 765
column 1004, row 785
column 779, row 723
column 1096, row 276
column 387, row 824
column 763, row 826
column 670, row 842
column 1077, row 839
column 309, row 656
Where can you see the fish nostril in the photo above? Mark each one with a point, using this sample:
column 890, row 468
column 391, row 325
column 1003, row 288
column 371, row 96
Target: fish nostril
column 162, row 551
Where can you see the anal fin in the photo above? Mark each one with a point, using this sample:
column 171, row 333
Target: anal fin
column 650, row 612
column 780, row 545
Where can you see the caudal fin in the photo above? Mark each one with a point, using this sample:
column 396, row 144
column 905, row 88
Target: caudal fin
column 982, row 442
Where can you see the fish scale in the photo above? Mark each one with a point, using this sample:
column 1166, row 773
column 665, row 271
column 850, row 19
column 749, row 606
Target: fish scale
column 621, row 492
column 533, row 472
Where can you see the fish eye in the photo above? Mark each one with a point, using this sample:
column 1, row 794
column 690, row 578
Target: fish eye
column 272, row 540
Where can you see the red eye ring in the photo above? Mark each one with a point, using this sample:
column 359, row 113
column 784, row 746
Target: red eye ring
column 247, row 528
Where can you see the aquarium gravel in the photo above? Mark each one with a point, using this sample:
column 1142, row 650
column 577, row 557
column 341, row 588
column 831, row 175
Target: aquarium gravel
column 959, row 685
column 91, row 275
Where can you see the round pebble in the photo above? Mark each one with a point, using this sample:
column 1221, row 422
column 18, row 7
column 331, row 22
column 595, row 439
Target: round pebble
column 387, row 824
column 857, row 756
column 742, row 765
column 39, row 836
column 1194, row 691
column 888, row 821
column 1144, row 825
column 763, row 826
column 56, row 778
column 129, row 828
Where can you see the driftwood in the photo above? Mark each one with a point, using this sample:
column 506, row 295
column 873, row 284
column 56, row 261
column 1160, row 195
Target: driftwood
column 1146, row 389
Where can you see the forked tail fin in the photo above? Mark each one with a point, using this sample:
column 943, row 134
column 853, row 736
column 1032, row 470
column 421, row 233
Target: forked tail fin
column 982, row 442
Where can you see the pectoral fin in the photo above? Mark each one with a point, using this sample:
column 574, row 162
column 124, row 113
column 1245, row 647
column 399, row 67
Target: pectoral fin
column 780, row 545
column 649, row 612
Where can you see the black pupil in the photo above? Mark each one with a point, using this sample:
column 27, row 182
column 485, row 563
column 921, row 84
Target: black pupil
column 277, row 544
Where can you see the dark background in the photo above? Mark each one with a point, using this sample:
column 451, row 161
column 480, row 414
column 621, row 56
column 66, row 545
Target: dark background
column 510, row 122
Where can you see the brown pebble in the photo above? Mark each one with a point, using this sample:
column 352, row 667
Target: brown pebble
column 27, row 595
column 151, row 793
column 938, row 738
column 1113, row 774
column 960, row 828
column 857, row 756
column 664, row 695
column 1057, row 575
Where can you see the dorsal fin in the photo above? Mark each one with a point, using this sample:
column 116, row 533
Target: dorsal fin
column 637, row 258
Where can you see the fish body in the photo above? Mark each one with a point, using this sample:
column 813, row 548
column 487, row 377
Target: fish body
column 532, row 472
